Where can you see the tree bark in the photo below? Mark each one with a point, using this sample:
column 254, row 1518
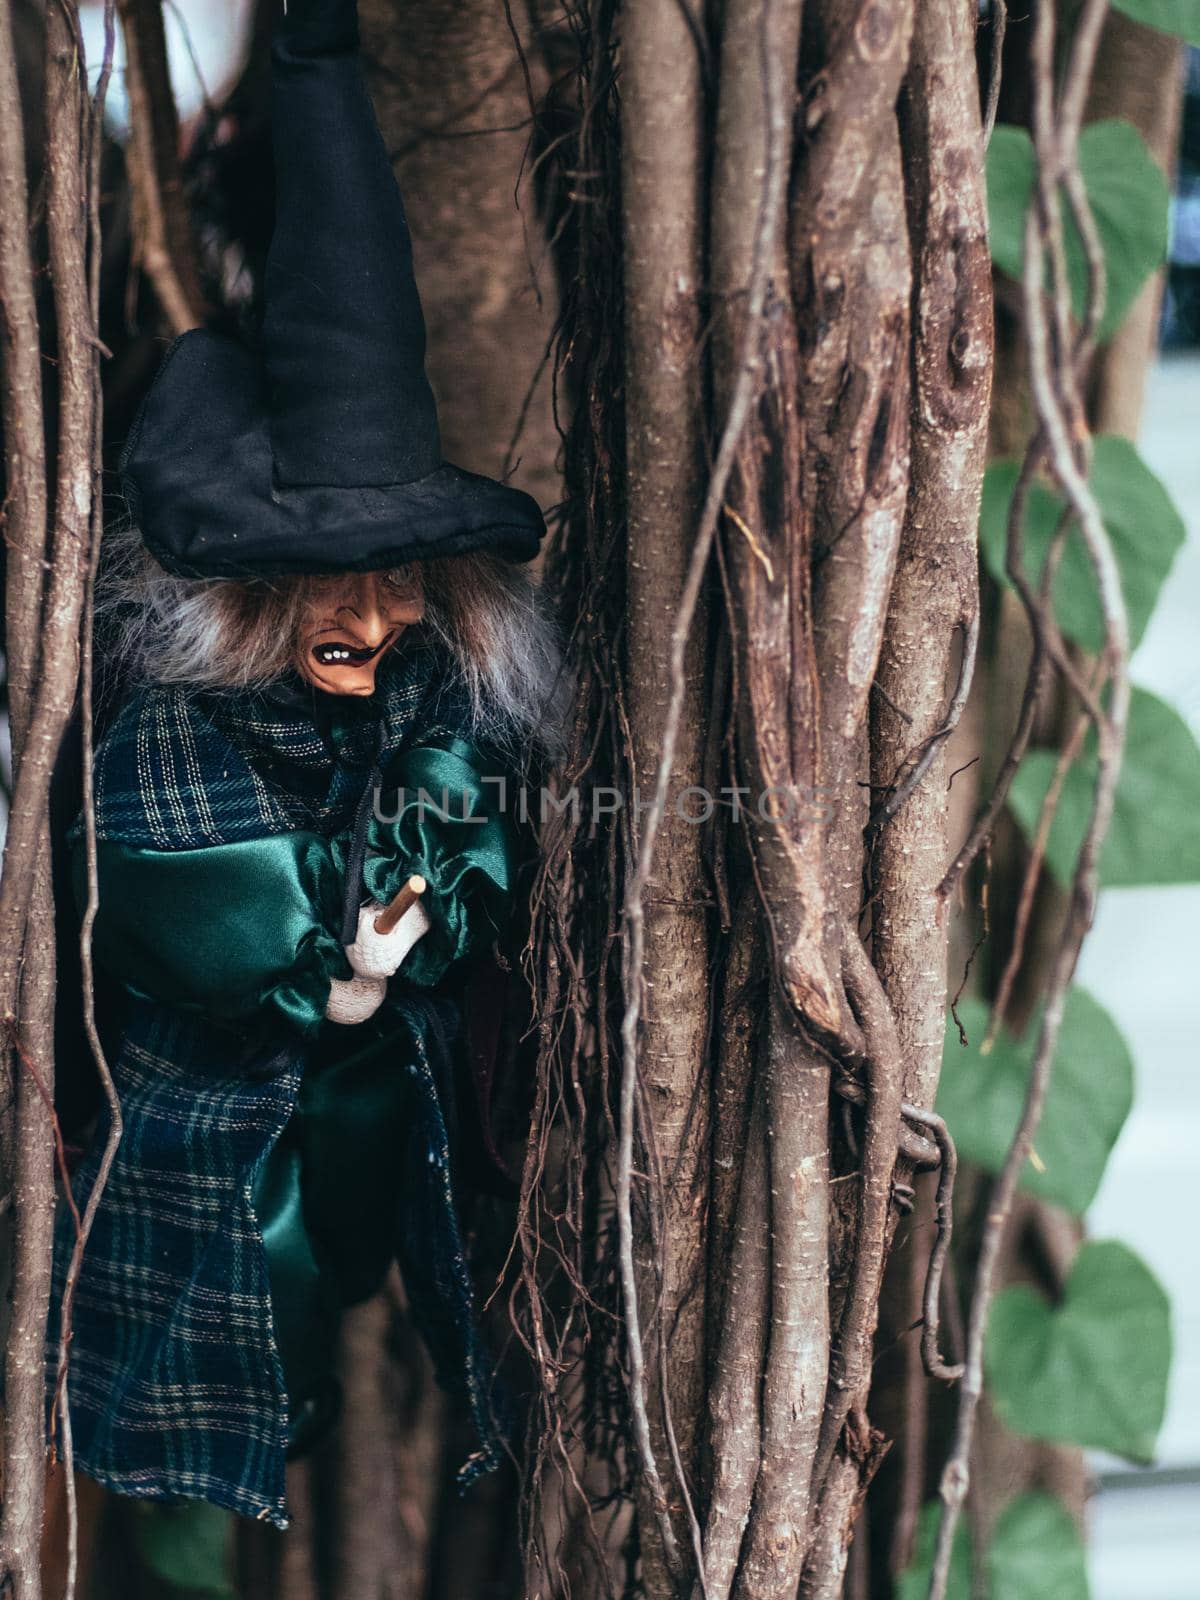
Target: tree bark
column 164, row 244
column 661, row 144
column 450, row 91
column 1139, row 78
column 43, row 641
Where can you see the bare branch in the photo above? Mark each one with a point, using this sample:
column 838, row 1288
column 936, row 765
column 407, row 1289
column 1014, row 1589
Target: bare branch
column 1055, row 384
column 96, row 525
column 162, row 227
column 742, row 394
column 934, row 1365
column 24, row 521
column 50, row 638
column 663, row 208
column 999, row 21
column 734, row 1398
column 850, row 1358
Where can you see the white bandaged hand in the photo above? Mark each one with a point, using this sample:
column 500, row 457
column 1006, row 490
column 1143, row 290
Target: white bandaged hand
column 378, row 955
column 353, row 1000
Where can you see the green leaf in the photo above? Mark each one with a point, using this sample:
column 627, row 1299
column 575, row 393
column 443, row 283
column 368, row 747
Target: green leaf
column 1091, row 1370
column 1036, row 1553
column 1129, row 200
column 188, row 1546
column 1178, row 17
column 1155, row 833
column 1141, row 520
column 913, row 1582
column 1010, row 177
column 1091, row 1090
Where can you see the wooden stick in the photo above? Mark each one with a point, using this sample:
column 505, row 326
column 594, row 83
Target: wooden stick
column 407, row 896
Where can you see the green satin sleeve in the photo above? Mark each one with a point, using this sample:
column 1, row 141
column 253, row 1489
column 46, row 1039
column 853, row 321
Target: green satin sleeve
column 442, row 814
column 225, row 930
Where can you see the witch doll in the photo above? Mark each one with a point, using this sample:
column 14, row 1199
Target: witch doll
column 303, row 836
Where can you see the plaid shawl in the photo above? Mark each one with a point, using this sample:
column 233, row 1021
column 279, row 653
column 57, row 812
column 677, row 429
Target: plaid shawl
column 175, row 1383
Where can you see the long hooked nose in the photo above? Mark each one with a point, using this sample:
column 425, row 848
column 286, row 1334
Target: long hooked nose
column 362, row 611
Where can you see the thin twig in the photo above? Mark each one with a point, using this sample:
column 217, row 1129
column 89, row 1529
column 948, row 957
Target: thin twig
column 999, row 20
column 84, row 1224
column 934, row 1365
column 923, row 757
column 1036, row 676
column 849, row 1360
column 25, row 539
column 163, row 235
column 1051, row 376
column 1031, row 877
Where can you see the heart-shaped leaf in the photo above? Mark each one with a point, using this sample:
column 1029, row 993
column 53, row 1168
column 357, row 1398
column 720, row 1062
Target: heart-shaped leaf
column 1093, row 1369
column 1178, row 17
column 1091, row 1090
column 1141, row 521
column 1154, row 837
column 1010, row 177
column 1129, row 200
column 1036, row 1553
column 913, row 1582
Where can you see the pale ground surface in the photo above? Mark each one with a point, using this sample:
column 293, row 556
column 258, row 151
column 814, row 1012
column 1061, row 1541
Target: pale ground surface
column 1141, row 963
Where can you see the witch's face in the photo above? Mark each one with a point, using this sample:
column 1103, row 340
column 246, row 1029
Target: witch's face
column 350, row 623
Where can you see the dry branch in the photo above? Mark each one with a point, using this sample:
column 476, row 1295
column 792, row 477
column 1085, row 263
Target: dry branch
column 25, row 469
column 86, row 711
column 850, row 1356
column 162, row 228
column 44, row 632
column 667, row 985
column 734, row 1396
column 850, row 277
column 1054, row 363
column 767, row 556
column 934, row 598
column 741, row 389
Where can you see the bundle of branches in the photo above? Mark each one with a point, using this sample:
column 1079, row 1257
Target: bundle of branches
column 52, row 531
column 778, row 338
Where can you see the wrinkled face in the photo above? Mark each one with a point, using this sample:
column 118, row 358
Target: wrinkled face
column 350, row 623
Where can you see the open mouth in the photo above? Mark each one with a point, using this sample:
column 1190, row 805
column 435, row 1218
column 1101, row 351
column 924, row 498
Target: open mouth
column 335, row 654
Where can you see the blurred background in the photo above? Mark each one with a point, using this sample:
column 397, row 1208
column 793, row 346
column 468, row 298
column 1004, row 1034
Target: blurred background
column 1140, row 961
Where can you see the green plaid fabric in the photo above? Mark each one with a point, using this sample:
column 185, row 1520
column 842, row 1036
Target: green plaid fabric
column 179, row 770
column 175, row 1384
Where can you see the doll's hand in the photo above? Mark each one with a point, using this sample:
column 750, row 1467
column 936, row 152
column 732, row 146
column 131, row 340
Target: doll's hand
column 353, row 1000
column 378, row 955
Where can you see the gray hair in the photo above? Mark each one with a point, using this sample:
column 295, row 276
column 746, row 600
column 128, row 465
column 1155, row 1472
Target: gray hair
column 232, row 633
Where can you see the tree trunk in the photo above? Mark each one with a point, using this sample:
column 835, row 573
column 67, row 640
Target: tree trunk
column 661, row 143
column 456, row 110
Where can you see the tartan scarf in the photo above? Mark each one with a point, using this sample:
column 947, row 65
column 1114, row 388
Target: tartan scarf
column 182, row 768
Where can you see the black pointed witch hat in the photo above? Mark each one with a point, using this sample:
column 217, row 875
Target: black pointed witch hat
column 322, row 454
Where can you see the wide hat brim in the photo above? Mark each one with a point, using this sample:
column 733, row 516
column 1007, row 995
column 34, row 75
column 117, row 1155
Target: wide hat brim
column 199, row 476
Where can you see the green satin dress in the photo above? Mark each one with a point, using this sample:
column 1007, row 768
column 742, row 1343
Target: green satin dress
column 332, row 1188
